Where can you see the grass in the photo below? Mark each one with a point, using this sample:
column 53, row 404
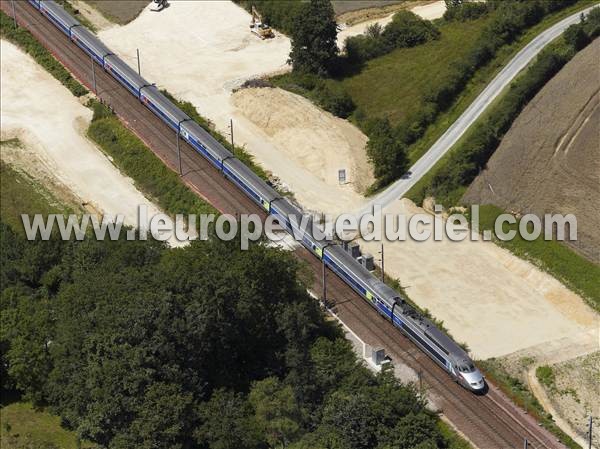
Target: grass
column 521, row 395
column 134, row 159
column 405, row 75
column 25, row 40
column 454, row 440
column 545, row 375
column 23, row 427
column 21, row 194
column 573, row 270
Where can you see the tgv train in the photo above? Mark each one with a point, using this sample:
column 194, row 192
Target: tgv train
column 443, row 350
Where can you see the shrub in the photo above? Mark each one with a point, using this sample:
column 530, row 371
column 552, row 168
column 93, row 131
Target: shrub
column 405, row 30
column 337, row 101
column 465, row 11
column 509, row 21
column 386, row 153
column 546, row 376
column 591, row 24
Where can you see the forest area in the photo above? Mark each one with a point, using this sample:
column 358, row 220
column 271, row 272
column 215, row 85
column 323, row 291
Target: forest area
column 134, row 344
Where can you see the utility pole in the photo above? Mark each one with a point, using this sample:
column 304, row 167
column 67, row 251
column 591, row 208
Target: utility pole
column 324, row 275
column 231, row 129
column 178, row 153
column 94, row 75
column 590, row 434
column 382, row 265
column 12, row 2
column 525, row 443
column 138, row 60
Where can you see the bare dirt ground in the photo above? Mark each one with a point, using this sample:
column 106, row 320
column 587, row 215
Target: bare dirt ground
column 289, row 121
column 215, row 54
column 486, row 296
column 574, row 394
column 55, row 150
column 549, row 161
column 342, row 7
column 363, row 11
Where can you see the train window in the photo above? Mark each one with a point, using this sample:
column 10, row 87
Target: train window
column 466, row 368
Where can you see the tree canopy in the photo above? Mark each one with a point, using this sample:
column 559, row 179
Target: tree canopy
column 134, row 344
column 314, row 37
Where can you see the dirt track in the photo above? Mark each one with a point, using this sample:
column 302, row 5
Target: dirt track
column 549, row 161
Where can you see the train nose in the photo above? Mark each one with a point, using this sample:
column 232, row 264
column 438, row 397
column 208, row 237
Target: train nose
column 474, row 380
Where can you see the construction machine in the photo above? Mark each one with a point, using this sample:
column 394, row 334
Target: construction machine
column 259, row 28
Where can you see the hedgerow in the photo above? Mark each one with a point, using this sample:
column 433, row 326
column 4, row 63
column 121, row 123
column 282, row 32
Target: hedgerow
column 150, row 174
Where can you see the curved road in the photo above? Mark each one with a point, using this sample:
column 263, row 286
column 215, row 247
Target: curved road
column 398, row 189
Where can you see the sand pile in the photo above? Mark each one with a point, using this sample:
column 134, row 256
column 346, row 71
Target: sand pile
column 308, row 136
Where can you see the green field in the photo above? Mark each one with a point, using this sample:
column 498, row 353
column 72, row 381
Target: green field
column 21, row 194
column 23, row 427
column 393, row 86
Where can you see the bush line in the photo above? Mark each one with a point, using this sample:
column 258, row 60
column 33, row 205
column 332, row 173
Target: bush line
column 150, row 174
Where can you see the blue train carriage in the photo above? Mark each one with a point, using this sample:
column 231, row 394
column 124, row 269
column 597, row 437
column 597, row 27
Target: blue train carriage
column 250, row 183
column 89, row 43
column 35, row 4
column 292, row 219
column 163, row 107
column 353, row 273
column 204, row 143
column 124, row 74
column 58, row 16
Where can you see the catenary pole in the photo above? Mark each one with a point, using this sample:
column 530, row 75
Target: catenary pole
column 590, row 434
column 12, row 2
column 94, row 75
column 324, row 275
column 138, row 61
column 382, row 265
column 178, row 153
column 231, row 129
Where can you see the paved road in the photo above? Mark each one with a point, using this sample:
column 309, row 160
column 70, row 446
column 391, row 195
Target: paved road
column 457, row 129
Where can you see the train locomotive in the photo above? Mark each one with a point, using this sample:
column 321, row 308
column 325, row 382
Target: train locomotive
column 389, row 303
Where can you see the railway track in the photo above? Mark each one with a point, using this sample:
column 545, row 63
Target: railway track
column 490, row 421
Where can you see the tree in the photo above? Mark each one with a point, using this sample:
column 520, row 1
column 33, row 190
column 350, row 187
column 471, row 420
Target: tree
column 349, row 421
column 576, row 37
column 386, row 153
column 314, row 46
column 228, row 422
column 276, row 411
